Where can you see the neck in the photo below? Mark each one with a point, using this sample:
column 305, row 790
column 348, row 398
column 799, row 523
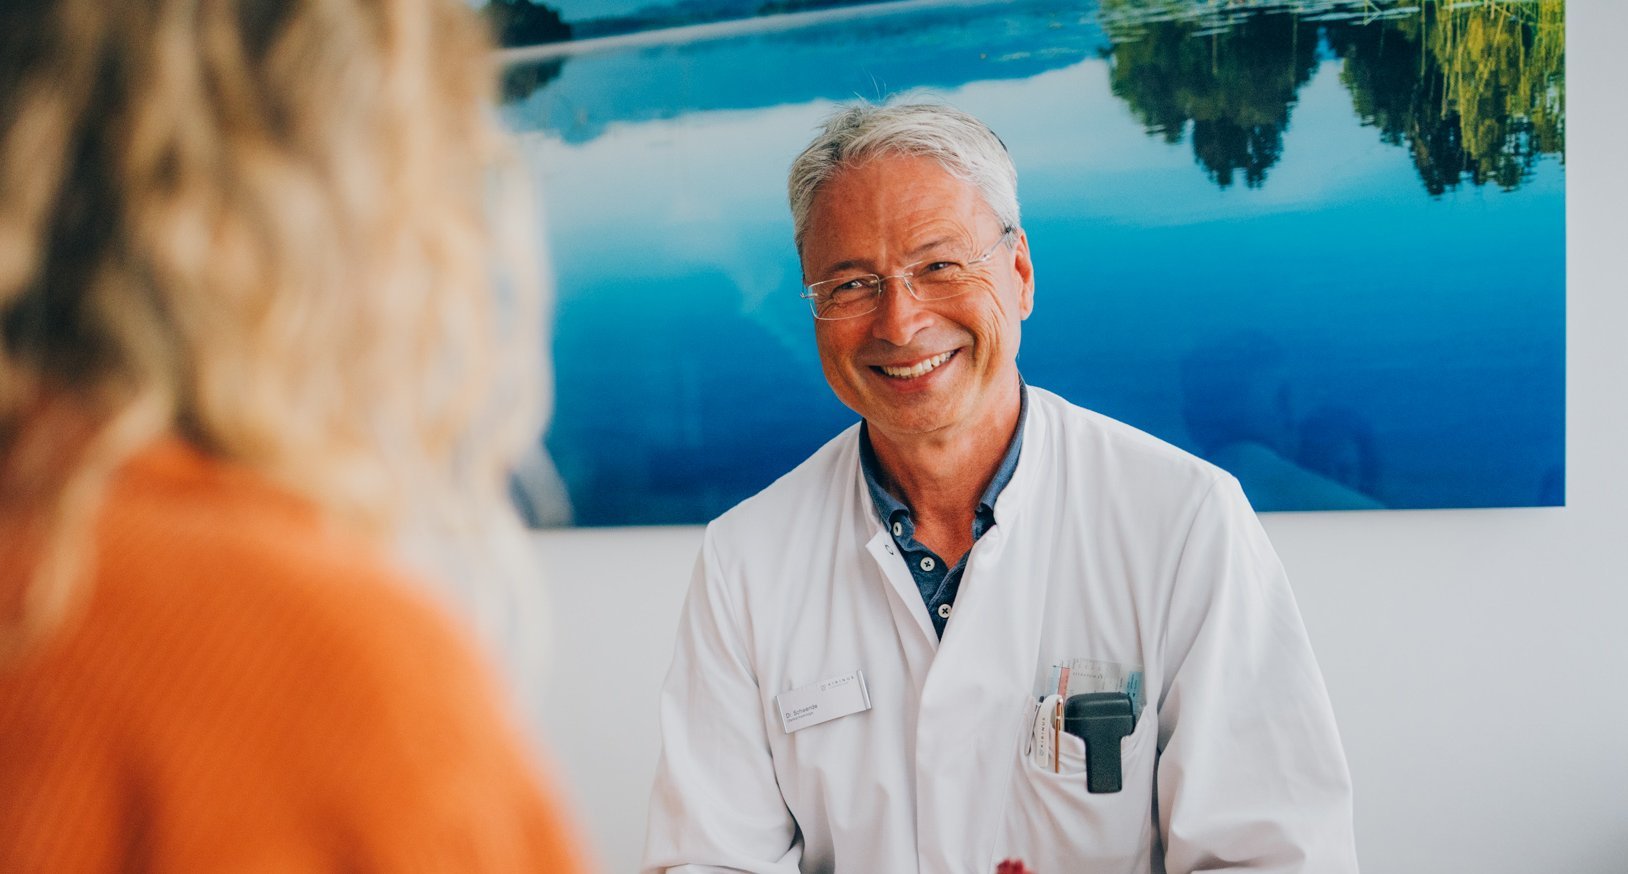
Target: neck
column 941, row 475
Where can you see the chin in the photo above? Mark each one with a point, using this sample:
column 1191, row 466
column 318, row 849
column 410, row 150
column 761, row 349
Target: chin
column 927, row 421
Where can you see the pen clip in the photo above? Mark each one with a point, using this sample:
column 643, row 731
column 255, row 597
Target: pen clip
column 1057, row 737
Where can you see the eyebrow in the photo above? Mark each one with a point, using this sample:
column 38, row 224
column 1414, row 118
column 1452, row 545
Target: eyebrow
column 851, row 263
column 929, row 245
column 840, row 266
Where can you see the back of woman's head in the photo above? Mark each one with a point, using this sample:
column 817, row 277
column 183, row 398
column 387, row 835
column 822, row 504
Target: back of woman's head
column 260, row 225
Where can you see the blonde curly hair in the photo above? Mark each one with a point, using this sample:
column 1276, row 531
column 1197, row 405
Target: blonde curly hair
column 268, row 227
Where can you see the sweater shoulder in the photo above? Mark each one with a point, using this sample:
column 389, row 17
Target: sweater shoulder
column 271, row 686
column 214, row 546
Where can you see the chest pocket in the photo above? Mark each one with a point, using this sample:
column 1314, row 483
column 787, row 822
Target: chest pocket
column 1054, row 824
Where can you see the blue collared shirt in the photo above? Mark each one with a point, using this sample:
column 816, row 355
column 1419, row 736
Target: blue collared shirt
column 937, row 583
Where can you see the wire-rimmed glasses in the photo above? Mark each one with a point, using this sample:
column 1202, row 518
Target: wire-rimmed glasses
column 848, row 296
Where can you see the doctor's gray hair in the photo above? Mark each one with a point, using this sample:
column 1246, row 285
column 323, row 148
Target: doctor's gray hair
column 963, row 145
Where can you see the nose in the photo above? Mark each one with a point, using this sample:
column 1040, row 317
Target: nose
column 899, row 316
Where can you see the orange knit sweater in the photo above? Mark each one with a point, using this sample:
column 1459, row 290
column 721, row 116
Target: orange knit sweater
column 245, row 691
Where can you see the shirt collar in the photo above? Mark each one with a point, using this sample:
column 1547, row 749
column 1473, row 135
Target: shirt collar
column 889, row 508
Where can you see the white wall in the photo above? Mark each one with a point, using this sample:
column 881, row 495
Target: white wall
column 1476, row 658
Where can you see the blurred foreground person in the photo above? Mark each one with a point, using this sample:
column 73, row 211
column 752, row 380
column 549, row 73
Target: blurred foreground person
column 248, row 337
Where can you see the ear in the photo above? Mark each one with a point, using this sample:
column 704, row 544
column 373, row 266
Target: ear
column 1025, row 272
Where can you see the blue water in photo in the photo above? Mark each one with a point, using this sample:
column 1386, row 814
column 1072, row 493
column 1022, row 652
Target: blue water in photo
column 1312, row 248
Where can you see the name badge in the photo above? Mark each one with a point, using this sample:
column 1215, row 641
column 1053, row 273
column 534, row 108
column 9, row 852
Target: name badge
column 823, row 701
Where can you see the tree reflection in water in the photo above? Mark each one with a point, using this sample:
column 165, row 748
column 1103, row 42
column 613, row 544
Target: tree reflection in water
column 1474, row 91
column 1234, row 84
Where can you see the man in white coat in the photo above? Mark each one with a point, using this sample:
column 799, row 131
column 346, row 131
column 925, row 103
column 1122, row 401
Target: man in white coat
column 880, row 653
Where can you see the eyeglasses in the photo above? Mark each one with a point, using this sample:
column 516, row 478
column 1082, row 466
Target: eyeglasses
column 846, row 297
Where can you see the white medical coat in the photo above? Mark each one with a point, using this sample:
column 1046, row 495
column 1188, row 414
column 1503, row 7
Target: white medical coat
column 1108, row 545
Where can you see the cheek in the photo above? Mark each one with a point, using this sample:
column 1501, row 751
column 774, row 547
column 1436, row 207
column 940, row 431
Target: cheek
column 835, row 343
column 994, row 321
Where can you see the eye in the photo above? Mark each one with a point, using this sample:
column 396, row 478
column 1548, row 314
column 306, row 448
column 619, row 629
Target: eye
column 854, row 284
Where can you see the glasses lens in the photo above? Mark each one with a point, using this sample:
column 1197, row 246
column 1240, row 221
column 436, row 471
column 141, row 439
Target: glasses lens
column 843, row 298
column 939, row 278
column 930, row 279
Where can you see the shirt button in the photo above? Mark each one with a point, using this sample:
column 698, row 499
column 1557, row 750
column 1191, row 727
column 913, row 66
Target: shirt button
column 927, row 563
column 943, row 611
column 898, row 529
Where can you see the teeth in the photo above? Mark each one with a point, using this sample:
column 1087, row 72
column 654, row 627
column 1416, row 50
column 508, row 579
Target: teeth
column 919, row 368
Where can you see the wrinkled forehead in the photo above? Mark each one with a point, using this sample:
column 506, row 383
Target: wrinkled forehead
column 883, row 191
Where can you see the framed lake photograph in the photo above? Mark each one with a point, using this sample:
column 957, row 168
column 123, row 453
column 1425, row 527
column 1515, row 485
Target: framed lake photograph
column 1321, row 244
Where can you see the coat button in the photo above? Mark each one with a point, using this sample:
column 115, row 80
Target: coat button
column 943, row 611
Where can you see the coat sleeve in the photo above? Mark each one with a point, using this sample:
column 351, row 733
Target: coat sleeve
column 716, row 805
column 1251, row 774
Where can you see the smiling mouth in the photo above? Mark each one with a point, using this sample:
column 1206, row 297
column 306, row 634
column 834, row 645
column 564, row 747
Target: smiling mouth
column 920, row 368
